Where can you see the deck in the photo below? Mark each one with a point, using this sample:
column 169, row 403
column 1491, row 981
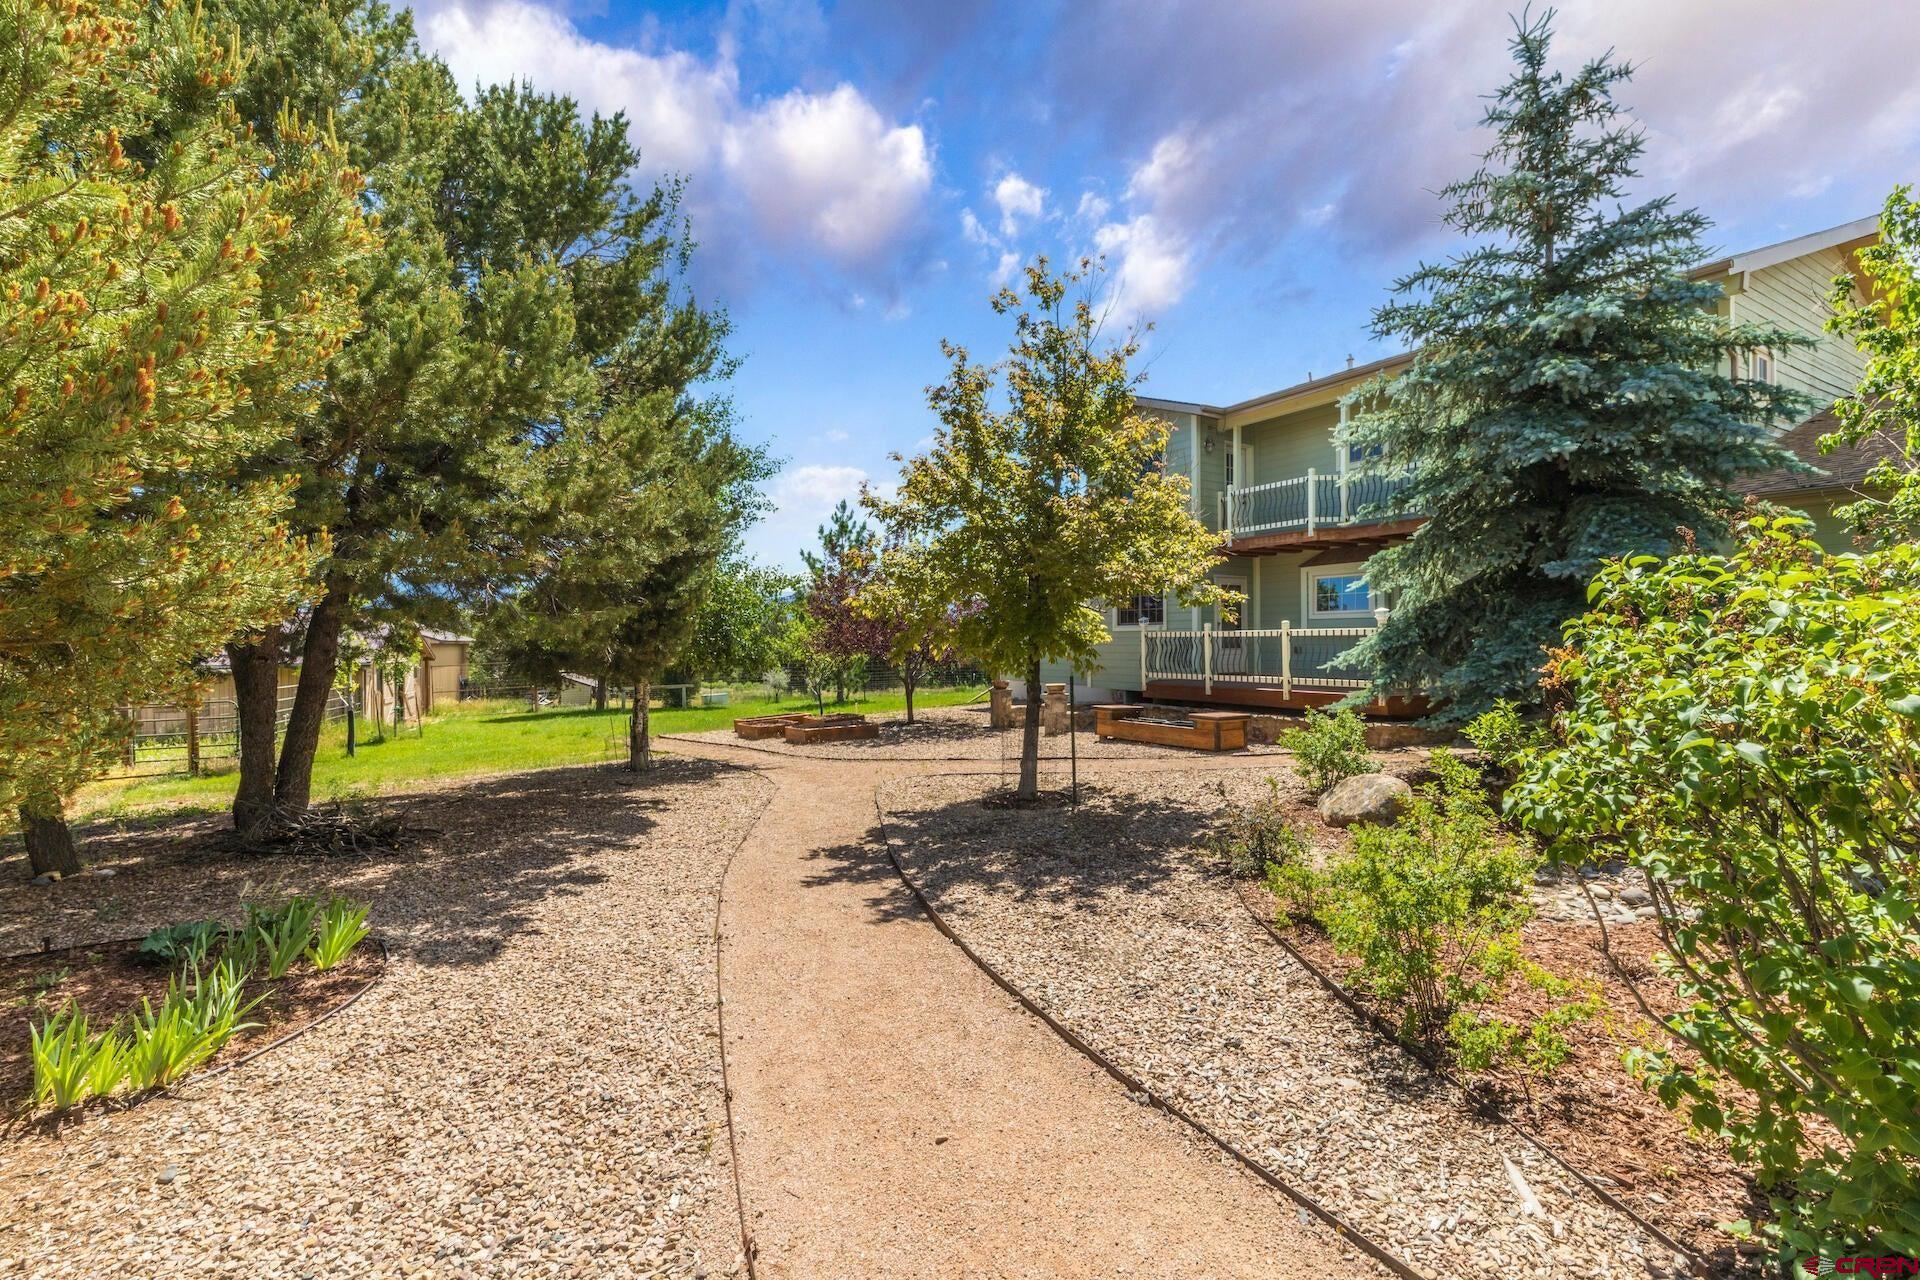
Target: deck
column 1290, row 668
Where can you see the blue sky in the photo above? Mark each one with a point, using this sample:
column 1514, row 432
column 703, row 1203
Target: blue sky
column 860, row 175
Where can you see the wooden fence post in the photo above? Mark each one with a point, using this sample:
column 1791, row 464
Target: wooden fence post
column 1206, row 656
column 193, row 739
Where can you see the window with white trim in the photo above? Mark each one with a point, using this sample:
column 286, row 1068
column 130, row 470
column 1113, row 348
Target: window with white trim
column 1339, row 591
column 1762, row 361
column 1150, row 611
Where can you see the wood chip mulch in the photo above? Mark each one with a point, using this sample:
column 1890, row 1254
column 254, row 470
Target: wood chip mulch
column 1112, row 919
column 533, row 1089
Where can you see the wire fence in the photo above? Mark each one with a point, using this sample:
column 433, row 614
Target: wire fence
column 165, row 738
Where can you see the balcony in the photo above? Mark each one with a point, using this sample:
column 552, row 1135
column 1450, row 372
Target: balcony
column 1292, row 667
column 1318, row 509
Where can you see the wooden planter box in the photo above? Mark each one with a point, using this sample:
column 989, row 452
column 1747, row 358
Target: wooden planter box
column 754, row 728
column 835, row 728
column 1208, row 730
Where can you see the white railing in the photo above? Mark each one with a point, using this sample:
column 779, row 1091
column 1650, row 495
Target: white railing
column 1311, row 502
column 1290, row 658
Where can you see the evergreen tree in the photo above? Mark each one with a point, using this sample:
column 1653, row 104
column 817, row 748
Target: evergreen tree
column 166, row 307
column 1568, row 400
column 1022, row 515
column 844, row 636
column 623, row 503
column 399, row 466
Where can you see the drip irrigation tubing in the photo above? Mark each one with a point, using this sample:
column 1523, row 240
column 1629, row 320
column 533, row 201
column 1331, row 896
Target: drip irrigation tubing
column 1375, row 1023
column 720, row 1019
column 1341, row 1227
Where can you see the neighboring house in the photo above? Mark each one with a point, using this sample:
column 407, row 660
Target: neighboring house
column 434, row 680
column 1299, row 516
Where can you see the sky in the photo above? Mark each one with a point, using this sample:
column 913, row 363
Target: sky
column 861, row 176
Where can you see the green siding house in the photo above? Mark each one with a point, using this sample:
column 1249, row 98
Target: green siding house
column 1299, row 515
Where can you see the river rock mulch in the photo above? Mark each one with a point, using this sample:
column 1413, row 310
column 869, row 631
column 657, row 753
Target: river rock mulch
column 532, row 1089
column 963, row 733
column 1112, row 920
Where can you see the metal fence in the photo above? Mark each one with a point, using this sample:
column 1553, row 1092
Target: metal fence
column 165, row 738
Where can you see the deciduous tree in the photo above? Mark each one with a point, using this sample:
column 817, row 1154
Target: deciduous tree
column 166, row 307
column 1568, row 400
column 1026, row 513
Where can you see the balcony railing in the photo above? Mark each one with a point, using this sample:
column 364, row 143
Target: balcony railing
column 1311, row 502
column 1289, row 659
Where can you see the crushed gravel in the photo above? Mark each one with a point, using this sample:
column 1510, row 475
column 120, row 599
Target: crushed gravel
column 532, row 1090
column 1112, row 921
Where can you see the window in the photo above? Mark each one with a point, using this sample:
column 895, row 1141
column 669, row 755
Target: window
column 1148, row 611
column 1229, row 468
column 1340, row 592
column 1357, row 453
column 1763, row 365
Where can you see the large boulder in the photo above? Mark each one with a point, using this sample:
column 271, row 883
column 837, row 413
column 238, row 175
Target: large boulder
column 1365, row 797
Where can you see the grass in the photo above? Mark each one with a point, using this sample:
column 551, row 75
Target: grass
column 477, row 738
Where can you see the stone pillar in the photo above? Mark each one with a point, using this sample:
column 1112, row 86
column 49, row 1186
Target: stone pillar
column 1053, row 711
column 1001, row 706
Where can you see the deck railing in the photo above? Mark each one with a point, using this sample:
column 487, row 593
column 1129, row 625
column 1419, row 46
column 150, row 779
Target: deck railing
column 1311, row 502
column 1290, row 658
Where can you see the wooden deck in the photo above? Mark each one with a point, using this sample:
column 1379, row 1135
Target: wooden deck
column 1246, row 697
column 1325, row 538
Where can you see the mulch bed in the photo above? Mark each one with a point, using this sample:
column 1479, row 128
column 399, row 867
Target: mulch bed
column 109, row 980
column 1590, row 1110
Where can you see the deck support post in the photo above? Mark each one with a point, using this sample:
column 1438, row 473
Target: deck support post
column 1313, row 504
column 1286, row 658
column 1206, row 656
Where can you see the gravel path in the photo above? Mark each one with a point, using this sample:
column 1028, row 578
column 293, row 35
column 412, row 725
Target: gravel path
column 960, row 733
column 532, row 1090
column 898, row 1115
column 1110, row 920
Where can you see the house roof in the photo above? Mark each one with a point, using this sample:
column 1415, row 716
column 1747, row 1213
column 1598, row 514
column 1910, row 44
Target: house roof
column 1786, row 250
column 1732, row 264
column 1846, row 467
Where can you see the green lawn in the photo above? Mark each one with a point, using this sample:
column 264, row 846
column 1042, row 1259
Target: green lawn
column 474, row 739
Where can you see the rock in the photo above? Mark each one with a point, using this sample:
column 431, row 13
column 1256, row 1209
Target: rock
column 167, row 1175
column 1366, row 797
column 103, row 871
column 46, row 879
column 1634, row 896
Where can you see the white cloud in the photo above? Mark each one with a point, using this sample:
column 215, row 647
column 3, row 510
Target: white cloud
column 824, row 172
column 1152, row 266
column 1092, row 208
column 1020, row 202
column 1006, row 268
column 973, row 229
column 809, row 492
column 828, row 169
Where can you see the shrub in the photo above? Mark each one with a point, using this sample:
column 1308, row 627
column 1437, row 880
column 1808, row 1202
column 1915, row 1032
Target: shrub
column 1257, row 836
column 1505, row 737
column 1744, row 728
column 341, row 928
column 1328, row 747
column 1491, row 1044
column 1431, row 906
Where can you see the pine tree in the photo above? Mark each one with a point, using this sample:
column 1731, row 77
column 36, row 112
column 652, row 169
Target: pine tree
column 399, row 466
column 624, row 502
column 165, row 308
column 1022, row 515
column 1568, row 401
column 843, row 635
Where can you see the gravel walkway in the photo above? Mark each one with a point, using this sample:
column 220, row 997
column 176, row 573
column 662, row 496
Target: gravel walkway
column 532, row 1090
column 899, row 1115
column 1111, row 921
column 960, row 733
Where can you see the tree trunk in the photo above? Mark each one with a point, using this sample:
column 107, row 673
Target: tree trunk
column 640, row 730
column 600, row 694
column 256, row 696
column 1030, row 738
column 319, row 660
column 909, row 676
column 49, row 840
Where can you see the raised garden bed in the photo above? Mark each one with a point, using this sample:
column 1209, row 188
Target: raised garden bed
column 845, row 727
column 1199, row 731
column 756, row 728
